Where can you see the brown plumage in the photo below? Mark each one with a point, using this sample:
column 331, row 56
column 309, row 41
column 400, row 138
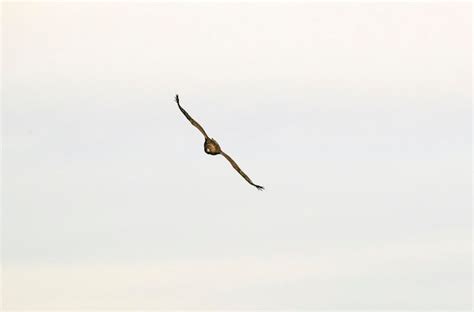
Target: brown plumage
column 211, row 146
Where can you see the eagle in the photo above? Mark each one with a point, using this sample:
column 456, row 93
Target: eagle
column 211, row 146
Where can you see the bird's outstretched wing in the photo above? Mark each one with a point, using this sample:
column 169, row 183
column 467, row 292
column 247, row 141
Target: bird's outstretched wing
column 193, row 122
column 236, row 167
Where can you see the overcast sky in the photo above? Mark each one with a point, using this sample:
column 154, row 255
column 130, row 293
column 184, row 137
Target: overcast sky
column 355, row 117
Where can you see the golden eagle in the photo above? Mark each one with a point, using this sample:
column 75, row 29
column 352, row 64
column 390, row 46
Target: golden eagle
column 211, row 146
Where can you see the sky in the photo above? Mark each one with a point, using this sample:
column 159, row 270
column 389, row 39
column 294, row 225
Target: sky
column 356, row 117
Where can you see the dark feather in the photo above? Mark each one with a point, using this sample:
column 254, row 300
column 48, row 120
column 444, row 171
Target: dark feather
column 193, row 122
column 237, row 168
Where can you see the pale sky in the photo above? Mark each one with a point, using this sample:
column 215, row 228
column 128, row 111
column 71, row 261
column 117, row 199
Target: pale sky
column 355, row 117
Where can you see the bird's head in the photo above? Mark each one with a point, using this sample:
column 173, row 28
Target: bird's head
column 211, row 147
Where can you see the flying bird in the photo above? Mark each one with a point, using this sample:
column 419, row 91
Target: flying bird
column 211, row 146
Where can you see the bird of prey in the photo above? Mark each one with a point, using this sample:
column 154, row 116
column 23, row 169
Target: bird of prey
column 211, row 146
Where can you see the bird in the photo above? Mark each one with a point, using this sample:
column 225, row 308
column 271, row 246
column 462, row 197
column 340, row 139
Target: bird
column 211, row 146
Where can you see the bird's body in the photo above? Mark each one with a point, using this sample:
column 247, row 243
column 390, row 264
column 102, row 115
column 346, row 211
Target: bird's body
column 211, row 146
